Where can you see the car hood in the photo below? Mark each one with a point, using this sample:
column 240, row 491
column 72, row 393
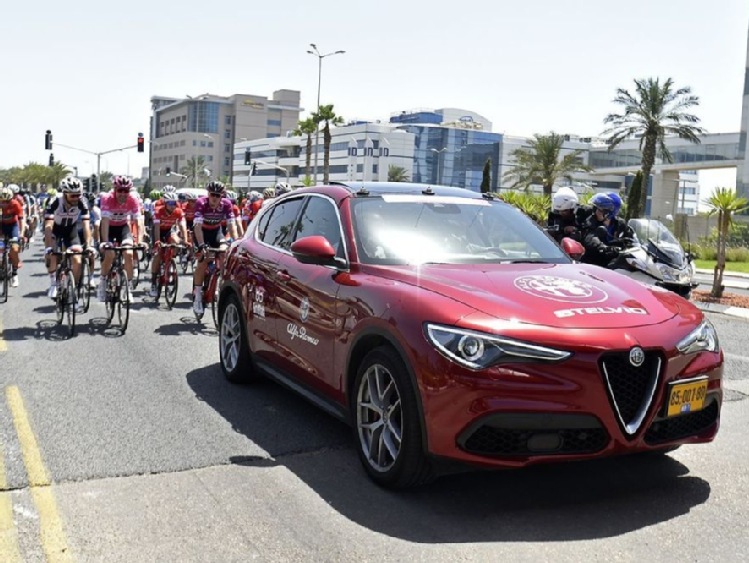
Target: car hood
column 555, row 295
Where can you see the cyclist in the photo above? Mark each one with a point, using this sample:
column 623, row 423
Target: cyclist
column 12, row 219
column 61, row 228
column 562, row 221
column 94, row 224
column 168, row 218
column 232, row 197
column 117, row 207
column 268, row 194
column 18, row 196
column 209, row 212
column 250, row 208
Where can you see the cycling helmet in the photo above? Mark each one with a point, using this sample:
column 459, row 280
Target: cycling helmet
column 6, row 194
column 155, row 194
column 14, row 188
column 170, row 189
column 169, row 196
column 603, row 202
column 52, row 192
column 215, row 187
column 71, row 185
column 254, row 196
column 564, row 199
column 122, row 183
column 182, row 196
column 232, row 196
column 617, row 202
column 282, row 188
column 191, row 196
column 269, row 193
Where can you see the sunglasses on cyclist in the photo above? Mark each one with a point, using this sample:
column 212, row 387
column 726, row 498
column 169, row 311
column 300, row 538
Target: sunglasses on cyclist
column 74, row 196
column 215, row 195
column 171, row 203
column 123, row 191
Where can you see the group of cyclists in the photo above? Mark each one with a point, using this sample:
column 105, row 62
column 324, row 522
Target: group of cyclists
column 569, row 218
column 91, row 226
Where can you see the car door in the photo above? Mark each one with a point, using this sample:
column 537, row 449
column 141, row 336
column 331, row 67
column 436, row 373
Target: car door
column 261, row 253
column 307, row 319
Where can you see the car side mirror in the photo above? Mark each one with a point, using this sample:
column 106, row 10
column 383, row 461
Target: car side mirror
column 572, row 248
column 314, row 250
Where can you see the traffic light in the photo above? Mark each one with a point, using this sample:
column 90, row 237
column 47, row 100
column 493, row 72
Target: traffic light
column 87, row 184
column 141, row 142
column 48, row 140
column 94, row 185
column 168, row 171
column 253, row 168
column 247, row 157
column 51, row 159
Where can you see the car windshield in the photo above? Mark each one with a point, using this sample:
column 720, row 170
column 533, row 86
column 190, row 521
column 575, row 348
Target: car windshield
column 419, row 229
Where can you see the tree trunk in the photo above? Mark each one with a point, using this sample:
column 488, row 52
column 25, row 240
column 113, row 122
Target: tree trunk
column 720, row 265
column 308, row 161
column 326, row 154
column 547, row 189
column 648, row 160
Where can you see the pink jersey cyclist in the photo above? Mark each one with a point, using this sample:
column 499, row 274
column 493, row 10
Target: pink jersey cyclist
column 118, row 208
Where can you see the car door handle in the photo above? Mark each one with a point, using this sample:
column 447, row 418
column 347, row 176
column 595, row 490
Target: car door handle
column 283, row 276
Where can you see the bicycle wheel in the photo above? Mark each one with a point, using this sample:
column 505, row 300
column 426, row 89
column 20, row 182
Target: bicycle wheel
column 214, row 299
column 145, row 259
column 68, row 300
column 123, row 302
column 5, row 274
column 171, row 283
column 83, row 290
column 112, row 296
column 60, row 299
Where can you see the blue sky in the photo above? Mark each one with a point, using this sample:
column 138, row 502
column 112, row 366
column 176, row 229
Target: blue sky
column 87, row 70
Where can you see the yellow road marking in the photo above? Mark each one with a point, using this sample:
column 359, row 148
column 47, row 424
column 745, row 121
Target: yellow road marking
column 9, row 550
column 3, row 345
column 53, row 538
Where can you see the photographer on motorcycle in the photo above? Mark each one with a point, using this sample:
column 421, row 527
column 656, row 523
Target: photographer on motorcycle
column 603, row 245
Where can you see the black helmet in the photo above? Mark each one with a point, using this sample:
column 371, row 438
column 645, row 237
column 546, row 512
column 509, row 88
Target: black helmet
column 216, row 187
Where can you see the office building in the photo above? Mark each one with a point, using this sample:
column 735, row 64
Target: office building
column 207, row 127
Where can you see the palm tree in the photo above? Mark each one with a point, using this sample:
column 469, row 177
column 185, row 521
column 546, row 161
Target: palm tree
column 307, row 127
column 540, row 163
column 654, row 112
column 55, row 173
column 325, row 114
column 725, row 203
column 195, row 169
column 397, row 174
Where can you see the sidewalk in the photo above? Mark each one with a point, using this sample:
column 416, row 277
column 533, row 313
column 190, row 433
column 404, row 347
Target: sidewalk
column 735, row 280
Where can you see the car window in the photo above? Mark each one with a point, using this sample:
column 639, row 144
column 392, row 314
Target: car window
column 320, row 218
column 276, row 230
column 399, row 229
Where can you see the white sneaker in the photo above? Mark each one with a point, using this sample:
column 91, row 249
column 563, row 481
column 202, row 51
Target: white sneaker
column 101, row 292
column 14, row 280
column 52, row 292
column 79, row 308
column 153, row 292
column 197, row 305
column 93, row 282
column 31, row 240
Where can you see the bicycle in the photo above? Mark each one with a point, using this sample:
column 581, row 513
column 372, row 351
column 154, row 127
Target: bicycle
column 67, row 296
column 168, row 277
column 210, row 283
column 83, row 285
column 117, row 294
column 187, row 258
column 5, row 269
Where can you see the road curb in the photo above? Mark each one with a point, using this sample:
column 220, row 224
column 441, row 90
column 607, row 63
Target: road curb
column 724, row 309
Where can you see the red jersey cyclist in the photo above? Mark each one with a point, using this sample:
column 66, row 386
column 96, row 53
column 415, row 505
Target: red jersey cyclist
column 118, row 207
column 167, row 220
column 12, row 227
column 210, row 211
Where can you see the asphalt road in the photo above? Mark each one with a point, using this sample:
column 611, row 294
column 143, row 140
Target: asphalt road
column 153, row 456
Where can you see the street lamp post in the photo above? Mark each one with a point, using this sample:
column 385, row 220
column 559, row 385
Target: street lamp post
column 439, row 163
column 320, row 57
column 281, row 168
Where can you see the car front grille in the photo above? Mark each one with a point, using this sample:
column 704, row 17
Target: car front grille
column 630, row 388
column 510, row 434
column 682, row 426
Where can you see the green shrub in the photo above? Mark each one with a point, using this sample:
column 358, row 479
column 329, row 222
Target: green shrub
column 740, row 254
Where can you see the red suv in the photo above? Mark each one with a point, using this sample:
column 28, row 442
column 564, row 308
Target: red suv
column 441, row 323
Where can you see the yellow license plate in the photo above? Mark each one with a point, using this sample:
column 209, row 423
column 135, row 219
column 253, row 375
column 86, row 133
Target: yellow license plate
column 687, row 397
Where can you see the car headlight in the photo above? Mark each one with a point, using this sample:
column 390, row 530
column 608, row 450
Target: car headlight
column 477, row 350
column 668, row 273
column 701, row 339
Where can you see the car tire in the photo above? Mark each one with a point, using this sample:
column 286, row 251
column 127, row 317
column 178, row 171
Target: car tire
column 388, row 429
column 234, row 352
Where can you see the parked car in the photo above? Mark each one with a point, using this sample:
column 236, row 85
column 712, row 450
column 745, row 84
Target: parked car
column 441, row 323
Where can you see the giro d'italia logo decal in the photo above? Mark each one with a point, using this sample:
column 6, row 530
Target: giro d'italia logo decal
column 560, row 289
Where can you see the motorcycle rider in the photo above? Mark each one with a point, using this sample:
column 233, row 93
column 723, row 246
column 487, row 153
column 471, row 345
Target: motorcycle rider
column 601, row 249
column 562, row 220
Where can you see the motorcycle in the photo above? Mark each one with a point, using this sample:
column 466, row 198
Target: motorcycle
column 654, row 256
